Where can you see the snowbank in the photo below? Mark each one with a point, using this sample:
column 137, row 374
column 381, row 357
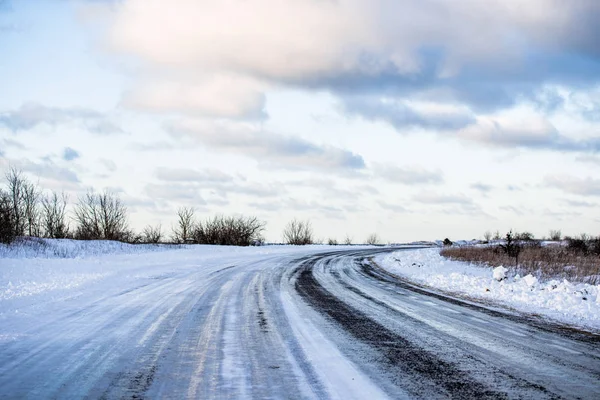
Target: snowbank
column 572, row 303
column 65, row 248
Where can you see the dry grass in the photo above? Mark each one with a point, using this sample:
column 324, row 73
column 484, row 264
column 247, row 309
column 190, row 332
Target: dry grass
column 552, row 262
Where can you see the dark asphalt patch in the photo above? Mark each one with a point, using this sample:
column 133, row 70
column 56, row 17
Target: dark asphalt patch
column 400, row 356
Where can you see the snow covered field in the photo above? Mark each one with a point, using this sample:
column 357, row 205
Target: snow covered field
column 576, row 304
column 57, row 267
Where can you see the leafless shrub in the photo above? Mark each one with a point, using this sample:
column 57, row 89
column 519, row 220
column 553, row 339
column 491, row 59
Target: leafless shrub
column 549, row 262
column 298, row 232
column 525, row 236
column 497, row 235
column 332, row 242
column 373, row 239
column 229, row 231
column 487, row 236
column 54, row 216
column 347, row 240
column 185, row 225
column 555, row 234
column 152, row 234
column 7, row 220
column 101, row 216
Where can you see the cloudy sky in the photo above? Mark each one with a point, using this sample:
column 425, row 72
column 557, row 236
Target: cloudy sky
column 415, row 119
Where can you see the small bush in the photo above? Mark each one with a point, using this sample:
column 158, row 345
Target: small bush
column 229, row 231
column 555, row 235
column 511, row 247
column 579, row 245
column 373, row 239
column 298, row 233
column 152, row 234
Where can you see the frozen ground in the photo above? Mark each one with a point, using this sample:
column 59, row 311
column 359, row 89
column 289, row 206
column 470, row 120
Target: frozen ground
column 104, row 320
column 577, row 304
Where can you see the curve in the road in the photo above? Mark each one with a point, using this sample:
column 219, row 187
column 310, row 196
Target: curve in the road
column 325, row 325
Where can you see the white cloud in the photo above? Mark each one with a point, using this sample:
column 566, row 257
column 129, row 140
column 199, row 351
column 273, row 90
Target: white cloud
column 570, row 184
column 411, row 175
column 218, row 96
column 215, row 57
column 268, row 148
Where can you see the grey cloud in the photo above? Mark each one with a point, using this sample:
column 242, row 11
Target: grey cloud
column 589, row 159
column 155, row 146
column 561, row 215
column 294, row 204
column 31, row 114
column 70, row 154
column 218, row 182
column 570, row 184
column 196, row 186
column 436, row 198
column 49, row 170
column 402, row 116
column 393, row 207
column 541, row 136
column 190, row 175
column 407, row 175
column 331, row 188
column 482, row 187
column 268, row 148
column 577, row 203
column 108, row 164
column 175, row 191
column 516, row 210
column 13, row 143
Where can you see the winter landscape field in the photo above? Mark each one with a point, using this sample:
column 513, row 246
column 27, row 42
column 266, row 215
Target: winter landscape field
column 299, row 199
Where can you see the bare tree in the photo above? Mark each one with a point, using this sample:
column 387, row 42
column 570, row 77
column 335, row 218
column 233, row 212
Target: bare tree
column 555, row 235
column 348, row 240
column 16, row 192
column 185, row 225
column 497, row 235
column 54, row 216
column 152, row 234
column 101, row 216
column 373, row 239
column 487, row 236
column 31, row 208
column 7, row 221
column 332, row 242
column 298, row 232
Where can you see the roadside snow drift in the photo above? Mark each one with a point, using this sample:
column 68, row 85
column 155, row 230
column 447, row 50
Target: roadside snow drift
column 572, row 303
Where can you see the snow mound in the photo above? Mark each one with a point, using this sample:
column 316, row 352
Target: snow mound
column 499, row 273
column 567, row 302
column 66, row 248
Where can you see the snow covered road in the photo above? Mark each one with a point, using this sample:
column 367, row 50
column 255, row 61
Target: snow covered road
column 286, row 323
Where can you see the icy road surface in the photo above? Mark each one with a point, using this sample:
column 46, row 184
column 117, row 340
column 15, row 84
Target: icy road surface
column 286, row 324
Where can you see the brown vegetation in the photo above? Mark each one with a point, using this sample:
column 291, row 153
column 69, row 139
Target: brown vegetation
column 551, row 262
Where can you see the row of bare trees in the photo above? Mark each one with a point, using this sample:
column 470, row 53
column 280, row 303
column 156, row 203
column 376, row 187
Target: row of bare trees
column 26, row 210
